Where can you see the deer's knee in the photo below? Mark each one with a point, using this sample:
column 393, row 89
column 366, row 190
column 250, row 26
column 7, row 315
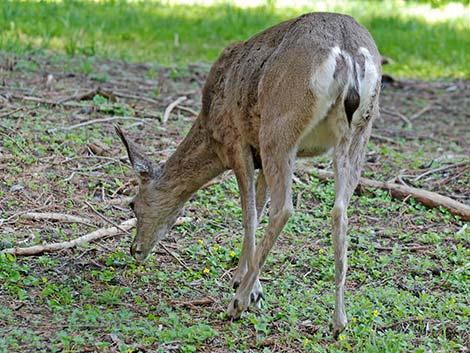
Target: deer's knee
column 284, row 213
column 338, row 213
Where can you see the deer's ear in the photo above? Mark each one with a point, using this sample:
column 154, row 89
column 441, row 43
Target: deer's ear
column 141, row 164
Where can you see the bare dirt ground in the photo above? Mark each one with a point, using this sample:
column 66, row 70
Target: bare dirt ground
column 59, row 152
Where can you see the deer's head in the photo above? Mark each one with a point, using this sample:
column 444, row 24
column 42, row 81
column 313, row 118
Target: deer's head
column 154, row 206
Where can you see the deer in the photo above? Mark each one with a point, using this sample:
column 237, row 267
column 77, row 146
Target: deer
column 304, row 87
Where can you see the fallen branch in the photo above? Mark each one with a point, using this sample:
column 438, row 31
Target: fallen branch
column 95, row 121
column 432, row 171
column 420, row 112
column 398, row 115
column 7, row 114
column 188, row 110
column 191, row 303
column 132, row 96
column 427, row 198
column 124, row 227
column 170, row 107
column 56, row 217
column 89, row 95
column 87, row 238
column 384, row 138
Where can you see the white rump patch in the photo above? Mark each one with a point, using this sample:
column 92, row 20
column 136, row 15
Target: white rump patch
column 322, row 79
column 324, row 86
column 368, row 84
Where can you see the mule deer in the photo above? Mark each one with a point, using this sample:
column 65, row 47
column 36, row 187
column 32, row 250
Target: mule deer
column 300, row 88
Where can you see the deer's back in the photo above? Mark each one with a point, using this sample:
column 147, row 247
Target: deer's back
column 273, row 70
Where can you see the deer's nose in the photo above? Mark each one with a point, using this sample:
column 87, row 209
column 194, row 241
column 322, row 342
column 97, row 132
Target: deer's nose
column 136, row 250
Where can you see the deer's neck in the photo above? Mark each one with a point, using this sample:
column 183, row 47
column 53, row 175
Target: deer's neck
column 194, row 163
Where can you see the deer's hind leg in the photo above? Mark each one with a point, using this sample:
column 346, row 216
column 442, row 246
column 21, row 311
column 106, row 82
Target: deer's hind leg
column 347, row 163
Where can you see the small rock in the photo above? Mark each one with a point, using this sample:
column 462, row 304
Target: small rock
column 16, row 187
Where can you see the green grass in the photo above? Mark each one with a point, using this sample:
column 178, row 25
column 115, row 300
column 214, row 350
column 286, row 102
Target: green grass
column 424, row 42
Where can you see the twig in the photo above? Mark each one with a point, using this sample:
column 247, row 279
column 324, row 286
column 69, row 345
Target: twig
column 428, row 198
column 440, row 169
column 384, row 138
column 97, row 234
column 174, row 256
column 420, row 112
column 186, row 109
column 4, row 115
column 398, row 115
column 106, row 219
column 94, row 121
column 89, row 95
column 170, row 107
column 56, row 217
column 407, row 321
column 191, row 303
column 131, row 96
column 48, row 102
column 16, row 143
column 410, row 248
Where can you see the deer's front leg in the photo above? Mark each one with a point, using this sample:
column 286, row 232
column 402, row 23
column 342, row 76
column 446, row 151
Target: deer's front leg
column 247, row 251
column 278, row 174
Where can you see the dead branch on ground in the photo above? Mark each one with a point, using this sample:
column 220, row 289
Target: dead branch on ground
column 56, row 217
column 170, row 107
column 401, row 192
column 87, row 238
column 124, row 227
column 96, row 121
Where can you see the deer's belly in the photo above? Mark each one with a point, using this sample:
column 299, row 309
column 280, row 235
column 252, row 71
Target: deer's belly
column 319, row 140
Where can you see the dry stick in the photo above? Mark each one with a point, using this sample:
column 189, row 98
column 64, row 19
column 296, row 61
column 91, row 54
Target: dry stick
column 10, row 113
column 97, row 234
column 175, row 257
column 427, row 198
column 398, row 115
column 95, row 121
column 48, row 102
column 192, row 303
column 105, row 218
column 440, row 169
column 132, row 96
column 170, row 107
column 56, row 217
column 384, row 138
column 188, row 110
column 420, row 112
column 16, row 143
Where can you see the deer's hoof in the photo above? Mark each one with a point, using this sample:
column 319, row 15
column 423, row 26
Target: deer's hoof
column 236, row 307
column 243, row 299
column 338, row 326
column 256, row 295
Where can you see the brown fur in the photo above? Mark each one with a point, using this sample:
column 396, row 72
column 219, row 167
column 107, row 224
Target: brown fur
column 299, row 88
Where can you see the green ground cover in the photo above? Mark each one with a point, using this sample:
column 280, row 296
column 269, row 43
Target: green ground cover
column 408, row 285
